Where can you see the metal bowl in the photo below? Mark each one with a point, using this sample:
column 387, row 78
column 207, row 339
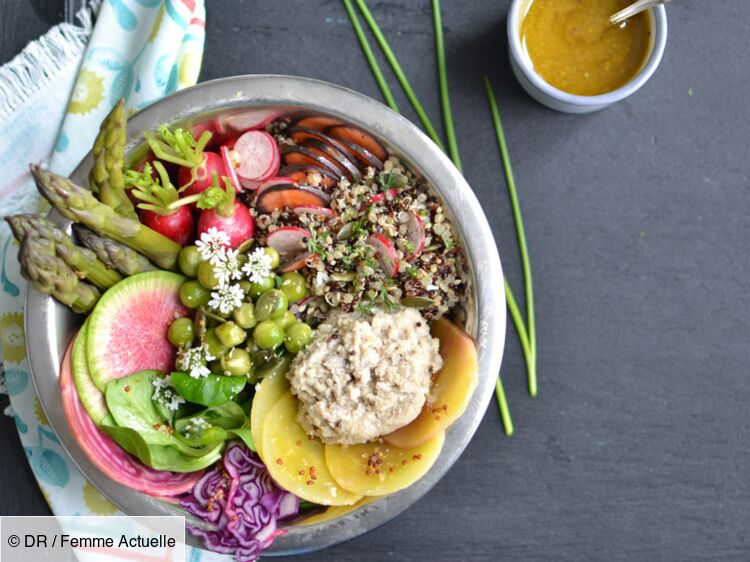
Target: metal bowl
column 49, row 325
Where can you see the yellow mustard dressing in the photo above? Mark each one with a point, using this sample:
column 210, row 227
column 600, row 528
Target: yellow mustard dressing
column 574, row 48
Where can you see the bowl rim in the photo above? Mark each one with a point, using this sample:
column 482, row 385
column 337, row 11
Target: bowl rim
column 45, row 319
column 658, row 47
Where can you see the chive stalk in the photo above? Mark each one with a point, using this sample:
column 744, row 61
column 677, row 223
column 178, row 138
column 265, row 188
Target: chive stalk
column 520, row 234
column 502, row 404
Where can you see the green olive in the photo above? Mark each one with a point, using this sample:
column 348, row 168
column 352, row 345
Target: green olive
column 297, row 337
column 213, row 344
column 268, row 335
column 230, row 334
column 274, row 255
column 207, row 275
column 271, row 305
column 294, row 286
column 237, row 363
column 244, row 316
column 181, row 332
column 194, row 295
column 188, row 260
column 257, row 289
column 287, row 319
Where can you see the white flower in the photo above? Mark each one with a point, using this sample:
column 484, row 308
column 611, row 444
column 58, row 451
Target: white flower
column 194, row 426
column 165, row 393
column 258, row 266
column 229, row 269
column 193, row 361
column 212, row 245
column 226, row 298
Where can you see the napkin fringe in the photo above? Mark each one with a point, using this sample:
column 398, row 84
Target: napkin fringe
column 40, row 60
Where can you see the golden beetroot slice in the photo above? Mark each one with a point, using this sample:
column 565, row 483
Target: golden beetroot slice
column 358, row 137
column 451, row 390
column 267, row 393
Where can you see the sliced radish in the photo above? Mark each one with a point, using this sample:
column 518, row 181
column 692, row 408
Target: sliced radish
column 310, row 210
column 360, row 138
column 378, row 197
column 288, row 240
column 274, row 181
column 258, row 157
column 248, row 119
column 385, row 253
column 297, row 262
column 300, row 155
column 300, row 172
column 231, row 169
column 336, row 156
column 282, row 196
column 415, row 235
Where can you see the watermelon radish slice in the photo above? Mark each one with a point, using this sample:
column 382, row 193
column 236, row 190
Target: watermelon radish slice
column 231, row 170
column 415, row 235
column 91, row 397
column 258, row 158
column 127, row 331
column 385, row 253
column 278, row 180
column 312, row 210
column 106, row 455
column 288, row 240
column 378, row 197
column 288, row 195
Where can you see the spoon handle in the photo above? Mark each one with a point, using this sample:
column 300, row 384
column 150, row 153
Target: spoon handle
column 635, row 8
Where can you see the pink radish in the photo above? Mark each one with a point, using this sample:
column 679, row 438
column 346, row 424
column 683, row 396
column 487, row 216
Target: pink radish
column 311, row 210
column 177, row 225
column 288, row 240
column 258, row 158
column 297, row 262
column 385, row 253
column 235, row 220
column 377, row 198
column 276, row 180
column 415, row 235
column 231, row 171
column 210, row 162
column 247, row 119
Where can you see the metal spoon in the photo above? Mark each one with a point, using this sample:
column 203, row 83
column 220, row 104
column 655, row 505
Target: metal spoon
column 635, row 8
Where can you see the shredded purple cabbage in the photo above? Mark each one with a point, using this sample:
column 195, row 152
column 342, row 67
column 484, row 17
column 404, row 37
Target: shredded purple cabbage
column 239, row 497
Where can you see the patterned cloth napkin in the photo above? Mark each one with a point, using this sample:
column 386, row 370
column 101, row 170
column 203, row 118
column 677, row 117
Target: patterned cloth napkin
column 52, row 98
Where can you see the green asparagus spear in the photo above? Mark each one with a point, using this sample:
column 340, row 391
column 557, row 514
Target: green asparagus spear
column 115, row 255
column 79, row 205
column 82, row 261
column 50, row 274
column 106, row 178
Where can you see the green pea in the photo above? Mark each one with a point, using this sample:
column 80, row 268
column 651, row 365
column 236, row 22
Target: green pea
column 274, row 255
column 213, row 344
column 297, row 337
column 230, row 334
column 188, row 260
column 294, row 286
column 271, row 305
column 237, row 363
column 207, row 275
column 246, row 286
column 287, row 319
column 181, row 332
column 194, row 295
column 257, row 289
column 244, row 316
column 268, row 335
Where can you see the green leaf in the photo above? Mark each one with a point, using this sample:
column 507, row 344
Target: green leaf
column 211, row 390
column 246, row 435
column 129, row 401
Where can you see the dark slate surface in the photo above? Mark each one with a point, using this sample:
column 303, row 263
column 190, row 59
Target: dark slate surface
column 637, row 220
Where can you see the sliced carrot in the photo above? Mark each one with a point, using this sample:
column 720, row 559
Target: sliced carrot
column 358, row 137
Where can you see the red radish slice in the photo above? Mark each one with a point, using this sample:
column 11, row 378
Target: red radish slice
column 385, row 253
column 107, row 455
column 310, row 210
column 317, row 122
column 288, row 240
column 297, row 262
column 300, row 155
column 362, row 155
column 249, row 119
column 257, row 155
column 378, row 197
column 231, row 170
column 337, row 157
column 300, row 173
column 281, row 196
column 278, row 180
column 415, row 235
column 358, row 137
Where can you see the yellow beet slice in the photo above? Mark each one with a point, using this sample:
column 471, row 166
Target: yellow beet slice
column 334, row 512
column 377, row 469
column 268, row 393
column 451, row 390
column 297, row 462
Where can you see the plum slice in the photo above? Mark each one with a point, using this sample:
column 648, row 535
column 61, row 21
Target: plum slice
column 304, row 135
column 317, row 122
column 300, row 172
column 336, row 156
column 290, row 195
column 274, row 181
column 300, row 155
column 360, row 138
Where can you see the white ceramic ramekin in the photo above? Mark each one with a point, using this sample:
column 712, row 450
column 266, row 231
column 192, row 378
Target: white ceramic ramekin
column 556, row 99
